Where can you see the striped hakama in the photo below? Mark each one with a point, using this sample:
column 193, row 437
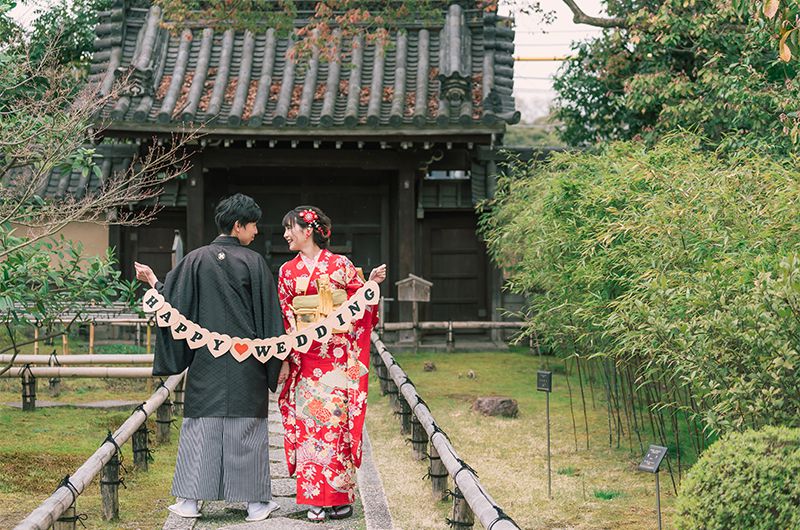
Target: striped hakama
column 223, row 459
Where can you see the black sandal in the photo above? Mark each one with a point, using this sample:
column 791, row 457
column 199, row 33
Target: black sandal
column 341, row 512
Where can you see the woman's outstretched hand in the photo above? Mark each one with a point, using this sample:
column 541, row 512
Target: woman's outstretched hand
column 378, row 274
column 145, row 274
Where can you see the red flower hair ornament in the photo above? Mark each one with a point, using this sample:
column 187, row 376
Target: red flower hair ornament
column 311, row 218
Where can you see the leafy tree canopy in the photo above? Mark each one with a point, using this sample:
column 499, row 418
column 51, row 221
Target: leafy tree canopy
column 703, row 65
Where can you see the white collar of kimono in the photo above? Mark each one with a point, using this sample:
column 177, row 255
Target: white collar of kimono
column 218, row 344
column 311, row 264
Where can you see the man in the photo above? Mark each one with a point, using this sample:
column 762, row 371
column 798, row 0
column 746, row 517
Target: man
column 225, row 288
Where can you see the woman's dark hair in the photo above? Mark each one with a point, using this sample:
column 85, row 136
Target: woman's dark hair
column 237, row 207
column 319, row 222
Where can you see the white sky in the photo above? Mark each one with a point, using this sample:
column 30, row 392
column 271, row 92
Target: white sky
column 532, row 80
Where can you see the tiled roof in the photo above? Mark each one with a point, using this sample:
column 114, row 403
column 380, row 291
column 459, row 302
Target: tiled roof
column 110, row 159
column 457, row 76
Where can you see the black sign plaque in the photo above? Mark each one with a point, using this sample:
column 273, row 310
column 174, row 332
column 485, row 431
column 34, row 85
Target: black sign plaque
column 651, row 461
column 544, row 381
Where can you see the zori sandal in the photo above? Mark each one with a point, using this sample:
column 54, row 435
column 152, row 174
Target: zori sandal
column 316, row 514
column 341, row 512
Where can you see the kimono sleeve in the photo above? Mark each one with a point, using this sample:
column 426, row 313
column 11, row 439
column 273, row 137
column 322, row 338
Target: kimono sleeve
column 271, row 320
column 351, row 282
column 179, row 290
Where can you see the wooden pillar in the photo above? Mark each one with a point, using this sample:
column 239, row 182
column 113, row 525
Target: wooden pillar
column 438, row 474
column 109, row 489
column 405, row 415
column 462, row 513
column 195, row 205
column 67, row 521
column 164, row 422
column 141, row 453
column 91, row 338
column 28, row 391
column 406, row 229
column 419, row 439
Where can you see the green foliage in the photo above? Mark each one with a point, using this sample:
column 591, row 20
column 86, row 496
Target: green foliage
column 699, row 65
column 68, row 28
column 51, row 278
column 667, row 260
column 607, row 495
column 745, row 480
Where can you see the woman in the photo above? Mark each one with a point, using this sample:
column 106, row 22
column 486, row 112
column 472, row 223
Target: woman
column 324, row 400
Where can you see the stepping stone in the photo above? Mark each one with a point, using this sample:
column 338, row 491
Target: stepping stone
column 277, row 457
column 280, row 523
column 284, row 487
column 278, row 470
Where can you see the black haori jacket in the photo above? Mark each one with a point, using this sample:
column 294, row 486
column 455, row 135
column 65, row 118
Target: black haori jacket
column 227, row 288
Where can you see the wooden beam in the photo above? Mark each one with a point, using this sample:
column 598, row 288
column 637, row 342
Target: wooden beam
column 373, row 160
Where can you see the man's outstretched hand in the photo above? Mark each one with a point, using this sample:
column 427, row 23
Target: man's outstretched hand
column 145, row 274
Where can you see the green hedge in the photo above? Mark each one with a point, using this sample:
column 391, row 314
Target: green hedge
column 746, row 480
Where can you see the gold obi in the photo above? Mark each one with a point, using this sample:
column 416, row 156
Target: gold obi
column 312, row 308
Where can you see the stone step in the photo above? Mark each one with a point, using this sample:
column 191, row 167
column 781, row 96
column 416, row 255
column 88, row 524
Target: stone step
column 284, row 487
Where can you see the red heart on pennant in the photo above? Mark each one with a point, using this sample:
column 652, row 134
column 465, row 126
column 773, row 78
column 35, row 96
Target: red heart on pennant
column 240, row 348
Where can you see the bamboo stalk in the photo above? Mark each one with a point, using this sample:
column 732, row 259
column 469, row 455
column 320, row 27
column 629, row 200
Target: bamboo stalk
column 80, row 359
column 91, row 338
column 49, row 511
column 583, row 400
column 82, row 371
column 571, row 408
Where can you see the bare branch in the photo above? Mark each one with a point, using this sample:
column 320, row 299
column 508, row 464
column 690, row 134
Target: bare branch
column 579, row 17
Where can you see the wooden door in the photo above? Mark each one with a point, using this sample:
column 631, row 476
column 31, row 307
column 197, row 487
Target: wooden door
column 454, row 259
column 356, row 202
column 152, row 244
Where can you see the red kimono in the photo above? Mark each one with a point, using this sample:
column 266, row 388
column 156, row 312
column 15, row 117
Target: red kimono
column 324, row 401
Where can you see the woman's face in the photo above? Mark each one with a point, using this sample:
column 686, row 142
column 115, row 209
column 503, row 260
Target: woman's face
column 296, row 236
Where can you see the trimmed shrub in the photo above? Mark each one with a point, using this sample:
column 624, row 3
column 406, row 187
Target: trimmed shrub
column 745, row 480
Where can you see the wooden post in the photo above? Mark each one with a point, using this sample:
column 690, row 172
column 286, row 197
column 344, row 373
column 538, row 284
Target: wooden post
column 451, row 341
column 383, row 377
column 67, row 521
column 109, row 489
column 55, row 386
column 28, row 391
column 64, row 344
column 392, row 392
column 177, row 405
column 406, row 226
column 438, row 474
column 149, row 339
column 405, row 415
column 419, row 439
column 164, row 421
column 36, row 338
column 195, row 204
column 462, row 513
column 415, row 321
column 140, row 449
column 91, row 338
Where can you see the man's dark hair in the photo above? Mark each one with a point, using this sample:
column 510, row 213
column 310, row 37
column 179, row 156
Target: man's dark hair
column 237, row 207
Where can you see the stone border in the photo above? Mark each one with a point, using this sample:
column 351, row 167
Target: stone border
column 370, row 487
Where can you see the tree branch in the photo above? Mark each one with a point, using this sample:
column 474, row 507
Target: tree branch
column 579, row 17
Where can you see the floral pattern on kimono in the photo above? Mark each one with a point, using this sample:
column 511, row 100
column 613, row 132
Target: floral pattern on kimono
column 324, row 400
